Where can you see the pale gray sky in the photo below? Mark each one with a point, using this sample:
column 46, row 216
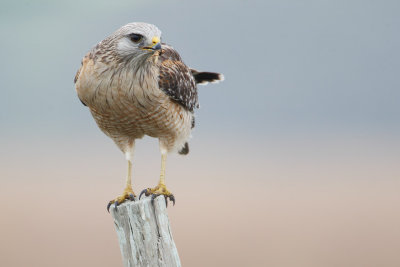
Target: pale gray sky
column 290, row 66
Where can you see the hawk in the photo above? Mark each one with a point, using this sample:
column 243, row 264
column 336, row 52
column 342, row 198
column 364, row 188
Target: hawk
column 134, row 85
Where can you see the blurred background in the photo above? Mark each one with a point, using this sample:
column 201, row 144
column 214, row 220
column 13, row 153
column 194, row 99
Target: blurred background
column 294, row 159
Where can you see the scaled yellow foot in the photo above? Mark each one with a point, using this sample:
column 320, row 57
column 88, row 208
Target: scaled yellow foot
column 160, row 189
column 127, row 194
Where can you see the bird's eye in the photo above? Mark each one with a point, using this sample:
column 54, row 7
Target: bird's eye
column 135, row 37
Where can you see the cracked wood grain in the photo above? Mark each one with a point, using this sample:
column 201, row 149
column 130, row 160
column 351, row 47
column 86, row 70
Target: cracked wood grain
column 144, row 234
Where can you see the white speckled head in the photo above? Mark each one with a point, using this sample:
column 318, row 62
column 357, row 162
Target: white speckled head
column 137, row 38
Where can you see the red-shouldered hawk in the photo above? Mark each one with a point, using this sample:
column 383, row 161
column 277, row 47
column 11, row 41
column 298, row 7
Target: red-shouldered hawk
column 136, row 86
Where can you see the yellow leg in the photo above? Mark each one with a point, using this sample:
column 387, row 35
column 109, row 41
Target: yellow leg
column 128, row 192
column 162, row 172
column 160, row 189
column 128, row 188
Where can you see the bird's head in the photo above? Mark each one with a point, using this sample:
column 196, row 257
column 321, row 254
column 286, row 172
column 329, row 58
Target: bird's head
column 137, row 39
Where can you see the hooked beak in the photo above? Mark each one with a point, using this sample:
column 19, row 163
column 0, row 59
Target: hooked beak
column 156, row 45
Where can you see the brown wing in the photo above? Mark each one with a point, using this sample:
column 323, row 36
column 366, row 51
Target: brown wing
column 176, row 79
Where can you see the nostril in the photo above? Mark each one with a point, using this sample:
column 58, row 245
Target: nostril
column 155, row 40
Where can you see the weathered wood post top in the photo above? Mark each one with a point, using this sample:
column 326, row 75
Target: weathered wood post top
column 144, row 233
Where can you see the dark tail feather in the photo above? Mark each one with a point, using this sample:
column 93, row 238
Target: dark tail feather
column 184, row 150
column 206, row 77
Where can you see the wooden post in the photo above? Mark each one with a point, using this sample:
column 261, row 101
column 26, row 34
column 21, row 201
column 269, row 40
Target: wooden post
column 144, row 233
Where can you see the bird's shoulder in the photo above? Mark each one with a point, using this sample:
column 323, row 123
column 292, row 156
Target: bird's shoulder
column 87, row 65
column 176, row 79
column 85, row 78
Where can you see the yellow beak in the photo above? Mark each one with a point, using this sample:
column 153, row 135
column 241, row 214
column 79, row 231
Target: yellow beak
column 156, row 44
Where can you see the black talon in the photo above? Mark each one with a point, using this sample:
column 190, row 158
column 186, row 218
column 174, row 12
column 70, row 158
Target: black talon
column 115, row 205
column 166, row 200
column 144, row 191
column 153, row 197
column 172, row 198
column 108, row 206
column 131, row 197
